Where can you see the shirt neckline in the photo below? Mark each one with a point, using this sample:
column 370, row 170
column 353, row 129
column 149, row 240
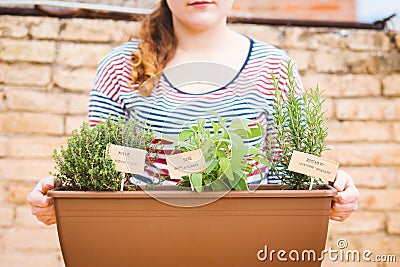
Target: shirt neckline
column 226, row 85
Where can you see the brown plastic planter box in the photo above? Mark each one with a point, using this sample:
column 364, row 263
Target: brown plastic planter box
column 134, row 229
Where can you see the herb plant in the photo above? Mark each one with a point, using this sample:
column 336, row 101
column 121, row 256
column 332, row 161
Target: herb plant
column 298, row 125
column 224, row 149
column 85, row 165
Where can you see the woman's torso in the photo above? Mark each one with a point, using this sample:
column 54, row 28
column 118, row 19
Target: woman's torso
column 248, row 94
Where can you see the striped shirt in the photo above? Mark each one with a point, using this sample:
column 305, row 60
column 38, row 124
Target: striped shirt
column 248, row 94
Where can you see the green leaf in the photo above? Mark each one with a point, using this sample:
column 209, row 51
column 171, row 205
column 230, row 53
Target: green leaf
column 238, row 151
column 241, row 184
column 226, row 168
column 208, row 148
column 216, row 127
column 261, row 129
column 219, row 138
column 241, row 124
column 254, row 150
column 196, row 179
column 261, row 160
column 211, row 166
column 221, row 154
column 219, row 185
column 256, row 132
column 186, row 145
column 208, row 133
column 201, row 122
column 224, row 164
column 185, row 135
column 242, row 128
column 207, row 181
column 241, row 132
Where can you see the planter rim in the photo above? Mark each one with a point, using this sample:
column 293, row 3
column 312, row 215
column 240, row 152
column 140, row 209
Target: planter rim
column 263, row 191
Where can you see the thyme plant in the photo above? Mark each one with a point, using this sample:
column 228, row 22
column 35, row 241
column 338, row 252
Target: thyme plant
column 84, row 164
column 298, row 125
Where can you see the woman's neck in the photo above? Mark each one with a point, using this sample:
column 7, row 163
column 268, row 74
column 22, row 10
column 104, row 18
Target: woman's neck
column 197, row 40
column 220, row 45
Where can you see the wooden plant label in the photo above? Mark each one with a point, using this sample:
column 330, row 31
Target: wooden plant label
column 127, row 159
column 313, row 166
column 186, row 163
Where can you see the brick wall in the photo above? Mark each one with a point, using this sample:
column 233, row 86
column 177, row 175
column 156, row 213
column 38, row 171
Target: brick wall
column 47, row 67
column 342, row 10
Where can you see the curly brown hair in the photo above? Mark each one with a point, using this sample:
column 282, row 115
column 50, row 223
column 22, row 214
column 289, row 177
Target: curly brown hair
column 157, row 46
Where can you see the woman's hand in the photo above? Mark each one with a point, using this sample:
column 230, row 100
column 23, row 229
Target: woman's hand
column 42, row 205
column 346, row 201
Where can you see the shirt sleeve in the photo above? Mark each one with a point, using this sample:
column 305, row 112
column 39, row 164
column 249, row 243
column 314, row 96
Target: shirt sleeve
column 104, row 99
column 281, row 75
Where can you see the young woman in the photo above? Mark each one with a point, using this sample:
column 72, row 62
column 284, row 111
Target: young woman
column 185, row 37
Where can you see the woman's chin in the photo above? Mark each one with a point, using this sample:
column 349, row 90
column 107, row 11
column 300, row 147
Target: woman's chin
column 201, row 23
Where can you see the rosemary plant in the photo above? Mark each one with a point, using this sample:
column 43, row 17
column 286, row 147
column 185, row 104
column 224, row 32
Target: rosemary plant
column 298, row 125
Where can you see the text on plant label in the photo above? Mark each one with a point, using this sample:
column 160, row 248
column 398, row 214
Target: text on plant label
column 186, row 163
column 187, row 158
column 313, row 166
column 127, row 159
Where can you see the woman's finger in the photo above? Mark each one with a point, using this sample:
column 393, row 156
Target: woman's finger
column 341, row 181
column 47, row 220
column 37, row 199
column 352, row 206
column 47, row 184
column 43, row 211
column 350, row 194
column 339, row 216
